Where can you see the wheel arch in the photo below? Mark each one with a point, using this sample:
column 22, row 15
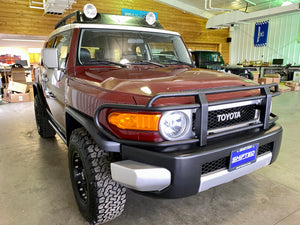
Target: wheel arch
column 75, row 119
column 38, row 91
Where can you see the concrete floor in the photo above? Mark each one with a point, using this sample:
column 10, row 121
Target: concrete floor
column 35, row 186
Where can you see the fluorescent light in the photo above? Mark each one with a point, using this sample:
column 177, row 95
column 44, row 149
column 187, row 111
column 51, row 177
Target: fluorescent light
column 286, row 3
column 34, row 50
column 8, row 39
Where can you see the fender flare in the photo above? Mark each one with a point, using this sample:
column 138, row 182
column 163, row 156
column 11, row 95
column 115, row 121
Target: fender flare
column 75, row 119
column 37, row 90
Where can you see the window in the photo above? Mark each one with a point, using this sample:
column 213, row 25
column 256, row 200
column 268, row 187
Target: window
column 49, row 44
column 98, row 46
column 62, row 44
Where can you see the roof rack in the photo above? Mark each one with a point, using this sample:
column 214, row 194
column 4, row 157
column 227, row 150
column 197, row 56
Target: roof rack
column 78, row 18
column 102, row 18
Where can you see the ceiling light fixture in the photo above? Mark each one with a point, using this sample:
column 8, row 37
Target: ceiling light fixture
column 8, row 39
column 286, row 3
column 226, row 19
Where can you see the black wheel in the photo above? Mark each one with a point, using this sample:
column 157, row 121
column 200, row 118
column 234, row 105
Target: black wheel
column 42, row 119
column 99, row 198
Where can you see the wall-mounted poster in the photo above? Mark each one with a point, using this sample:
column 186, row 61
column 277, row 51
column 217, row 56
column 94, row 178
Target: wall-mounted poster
column 261, row 33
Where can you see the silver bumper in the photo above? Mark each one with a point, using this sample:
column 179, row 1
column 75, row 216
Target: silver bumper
column 223, row 176
column 140, row 176
column 144, row 177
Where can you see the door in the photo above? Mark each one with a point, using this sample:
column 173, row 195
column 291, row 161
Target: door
column 54, row 82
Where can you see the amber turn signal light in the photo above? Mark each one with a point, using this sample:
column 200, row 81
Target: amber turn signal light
column 134, row 121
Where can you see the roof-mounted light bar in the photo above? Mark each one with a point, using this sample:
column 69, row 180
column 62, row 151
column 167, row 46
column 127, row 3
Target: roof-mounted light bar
column 150, row 18
column 90, row 11
column 90, row 15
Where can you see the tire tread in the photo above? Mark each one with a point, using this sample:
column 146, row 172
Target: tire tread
column 110, row 195
column 45, row 130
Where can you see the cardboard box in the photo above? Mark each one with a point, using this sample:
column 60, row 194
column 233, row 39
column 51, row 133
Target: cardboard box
column 291, row 83
column 283, row 88
column 15, row 70
column 296, row 88
column 24, row 97
column 255, row 76
column 265, row 80
column 275, row 77
column 272, row 75
column 10, row 97
column 18, row 87
column 18, row 75
column 276, row 80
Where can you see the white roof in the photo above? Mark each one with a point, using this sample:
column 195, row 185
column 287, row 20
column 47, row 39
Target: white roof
column 112, row 27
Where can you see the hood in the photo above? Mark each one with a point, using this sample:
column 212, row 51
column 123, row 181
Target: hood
column 143, row 83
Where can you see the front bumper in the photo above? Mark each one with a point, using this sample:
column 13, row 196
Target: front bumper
column 186, row 172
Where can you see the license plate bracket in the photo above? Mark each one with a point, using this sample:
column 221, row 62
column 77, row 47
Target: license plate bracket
column 243, row 157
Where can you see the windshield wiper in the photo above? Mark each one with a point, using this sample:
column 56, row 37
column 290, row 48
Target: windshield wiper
column 105, row 62
column 178, row 62
column 147, row 63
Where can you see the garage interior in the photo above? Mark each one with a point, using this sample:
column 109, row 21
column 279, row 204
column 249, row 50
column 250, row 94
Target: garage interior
column 34, row 179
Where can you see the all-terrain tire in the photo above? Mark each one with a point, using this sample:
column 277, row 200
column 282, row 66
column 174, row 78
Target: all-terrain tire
column 99, row 198
column 44, row 128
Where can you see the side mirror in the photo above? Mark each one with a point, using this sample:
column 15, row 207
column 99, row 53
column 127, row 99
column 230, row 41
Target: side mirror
column 50, row 58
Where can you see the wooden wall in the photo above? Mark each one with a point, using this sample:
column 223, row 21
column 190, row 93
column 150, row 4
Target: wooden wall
column 17, row 18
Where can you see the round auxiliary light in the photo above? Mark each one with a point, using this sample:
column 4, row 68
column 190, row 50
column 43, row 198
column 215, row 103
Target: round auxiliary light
column 174, row 125
column 90, row 11
column 150, row 18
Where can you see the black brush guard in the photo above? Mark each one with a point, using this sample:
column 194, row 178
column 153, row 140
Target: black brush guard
column 201, row 106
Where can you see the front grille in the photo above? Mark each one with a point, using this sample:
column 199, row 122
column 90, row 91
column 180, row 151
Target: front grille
column 265, row 148
column 232, row 116
column 223, row 163
column 215, row 165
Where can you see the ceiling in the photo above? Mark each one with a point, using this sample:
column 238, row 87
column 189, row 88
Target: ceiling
column 21, row 41
column 203, row 8
column 208, row 9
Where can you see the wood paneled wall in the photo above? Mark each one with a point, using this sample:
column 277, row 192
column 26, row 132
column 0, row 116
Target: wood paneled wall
column 17, row 18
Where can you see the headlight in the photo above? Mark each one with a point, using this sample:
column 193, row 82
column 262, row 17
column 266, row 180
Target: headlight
column 175, row 125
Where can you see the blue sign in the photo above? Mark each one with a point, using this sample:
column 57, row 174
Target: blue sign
column 136, row 13
column 261, row 33
column 243, row 157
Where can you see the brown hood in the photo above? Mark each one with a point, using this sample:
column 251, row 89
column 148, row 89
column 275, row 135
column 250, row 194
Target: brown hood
column 144, row 83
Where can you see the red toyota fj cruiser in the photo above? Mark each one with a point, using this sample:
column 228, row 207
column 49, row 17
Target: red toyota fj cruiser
column 125, row 97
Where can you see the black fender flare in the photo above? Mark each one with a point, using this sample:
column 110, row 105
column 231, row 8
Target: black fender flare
column 37, row 90
column 75, row 119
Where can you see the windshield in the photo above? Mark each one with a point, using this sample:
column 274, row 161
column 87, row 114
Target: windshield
column 118, row 47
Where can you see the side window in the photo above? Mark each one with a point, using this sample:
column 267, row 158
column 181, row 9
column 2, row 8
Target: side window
column 50, row 42
column 62, row 44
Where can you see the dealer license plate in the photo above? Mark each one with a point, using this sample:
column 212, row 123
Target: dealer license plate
column 243, row 157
